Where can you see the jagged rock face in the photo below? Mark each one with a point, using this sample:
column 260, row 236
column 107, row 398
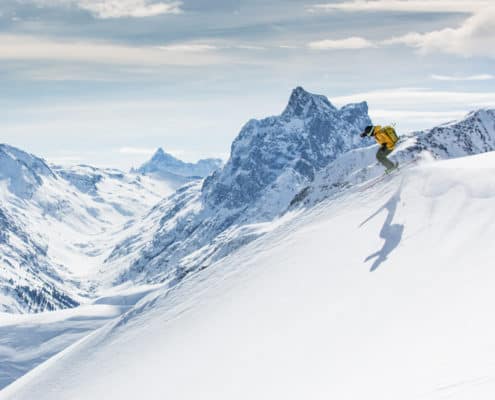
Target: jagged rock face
column 309, row 134
column 23, row 171
column 168, row 166
column 473, row 135
column 85, row 182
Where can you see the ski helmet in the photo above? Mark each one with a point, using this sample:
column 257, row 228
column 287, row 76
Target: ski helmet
column 368, row 131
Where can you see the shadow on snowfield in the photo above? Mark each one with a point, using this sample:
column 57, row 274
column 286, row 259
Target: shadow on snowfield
column 391, row 233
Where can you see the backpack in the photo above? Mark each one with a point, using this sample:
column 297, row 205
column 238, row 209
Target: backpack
column 390, row 132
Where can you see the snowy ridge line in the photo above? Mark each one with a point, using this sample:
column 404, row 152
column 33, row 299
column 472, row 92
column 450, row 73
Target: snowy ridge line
column 303, row 298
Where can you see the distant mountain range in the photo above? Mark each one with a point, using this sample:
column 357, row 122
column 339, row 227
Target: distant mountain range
column 55, row 226
column 177, row 172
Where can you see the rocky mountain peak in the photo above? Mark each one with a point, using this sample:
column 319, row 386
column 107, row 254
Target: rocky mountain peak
column 309, row 134
column 302, row 104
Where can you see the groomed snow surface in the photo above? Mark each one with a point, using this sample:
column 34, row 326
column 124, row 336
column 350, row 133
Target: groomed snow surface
column 383, row 293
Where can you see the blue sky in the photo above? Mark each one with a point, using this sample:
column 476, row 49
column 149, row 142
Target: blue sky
column 107, row 81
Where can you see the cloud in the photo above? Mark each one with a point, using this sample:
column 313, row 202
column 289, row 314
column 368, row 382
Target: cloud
column 418, row 108
column 65, row 160
column 341, row 44
column 188, row 47
column 106, row 9
column 481, row 77
column 136, row 151
column 20, row 47
column 473, row 38
column 433, row 6
column 426, row 98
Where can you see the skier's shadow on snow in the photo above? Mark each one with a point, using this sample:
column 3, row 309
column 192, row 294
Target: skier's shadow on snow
column 391, row 233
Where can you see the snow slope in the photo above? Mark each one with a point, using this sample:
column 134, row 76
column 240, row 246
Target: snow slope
column 58, row 224
column 27, row 340
column 298, row 314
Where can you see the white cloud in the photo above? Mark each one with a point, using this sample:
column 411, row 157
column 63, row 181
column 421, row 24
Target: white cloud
column 64, row 160
column 248, row 47
column 481, row 77
column 412, row 98
column 473, row 38
column 392, row 114
column 116, row 8
column 136, row 151
column 188, row 47
column 418, row 108
column 434, row 6
column 19, row 47
column 351, row 43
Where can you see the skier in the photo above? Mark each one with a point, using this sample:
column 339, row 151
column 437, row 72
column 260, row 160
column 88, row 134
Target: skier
column 387, row 138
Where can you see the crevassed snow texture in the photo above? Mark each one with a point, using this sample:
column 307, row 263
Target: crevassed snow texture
column 298, row 314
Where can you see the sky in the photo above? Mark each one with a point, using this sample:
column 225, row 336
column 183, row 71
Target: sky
column 106, row 82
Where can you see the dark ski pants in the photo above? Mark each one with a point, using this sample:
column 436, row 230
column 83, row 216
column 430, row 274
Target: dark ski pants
column 381, row 156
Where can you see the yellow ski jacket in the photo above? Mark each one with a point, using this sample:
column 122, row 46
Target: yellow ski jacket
column 382, row 137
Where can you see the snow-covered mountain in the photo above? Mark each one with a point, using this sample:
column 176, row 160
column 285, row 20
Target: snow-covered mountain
column 177, row 172
column 271, row 160
column 298, row 315
column 56, row 226
column 308, row 153
column 309, row 190
column 472, row 135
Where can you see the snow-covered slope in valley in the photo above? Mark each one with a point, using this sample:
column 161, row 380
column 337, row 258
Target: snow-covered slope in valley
column 298, row 314
column 271, row 160
column 58, row 224
column 27, row 340
column 177, row 172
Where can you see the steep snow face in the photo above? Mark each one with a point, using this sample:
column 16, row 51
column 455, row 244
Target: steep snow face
column 297, row 314
column 271, row 160
column 58, row 224
column 175, row 171
column 23, row 171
